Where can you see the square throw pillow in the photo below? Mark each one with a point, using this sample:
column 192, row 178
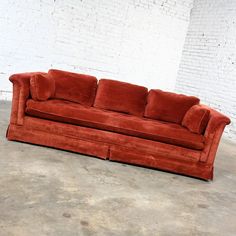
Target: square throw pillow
column 168, row 106
column 74, row 87
column 121, row 97
column 42, row 87
column 196, row 119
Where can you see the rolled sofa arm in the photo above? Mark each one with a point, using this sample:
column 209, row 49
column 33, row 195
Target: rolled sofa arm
column 213, row 133
column 21, row 92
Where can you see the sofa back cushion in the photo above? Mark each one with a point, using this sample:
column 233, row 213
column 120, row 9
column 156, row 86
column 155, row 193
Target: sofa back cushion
column 196, row 119
column 168, row 106
column 42, row 87
column 121, row 97
column 74, row 87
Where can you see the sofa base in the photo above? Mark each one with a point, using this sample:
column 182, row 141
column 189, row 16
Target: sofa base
column 198, row 170
column 109, row 151
column 18, row 133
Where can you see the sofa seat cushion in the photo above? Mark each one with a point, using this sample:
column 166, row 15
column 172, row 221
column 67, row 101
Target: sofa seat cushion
column 69, row 112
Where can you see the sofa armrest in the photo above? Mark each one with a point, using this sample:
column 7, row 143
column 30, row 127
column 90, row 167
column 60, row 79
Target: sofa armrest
column 213, row 133
column 21, row 92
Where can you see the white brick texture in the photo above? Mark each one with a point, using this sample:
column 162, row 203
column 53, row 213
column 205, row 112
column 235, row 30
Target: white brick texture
column 138, row 41
column 208, row 65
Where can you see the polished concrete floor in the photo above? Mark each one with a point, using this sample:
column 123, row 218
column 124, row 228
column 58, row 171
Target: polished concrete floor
column 45, row 191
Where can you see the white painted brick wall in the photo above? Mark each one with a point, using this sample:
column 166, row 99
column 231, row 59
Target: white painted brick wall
column 138, row 41
column 208, row 65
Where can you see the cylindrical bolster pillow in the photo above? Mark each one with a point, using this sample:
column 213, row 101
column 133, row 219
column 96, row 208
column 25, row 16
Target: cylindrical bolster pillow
column 42, row 87
column 196, row 119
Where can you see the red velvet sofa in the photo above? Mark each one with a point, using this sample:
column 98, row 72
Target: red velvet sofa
column 116, row 120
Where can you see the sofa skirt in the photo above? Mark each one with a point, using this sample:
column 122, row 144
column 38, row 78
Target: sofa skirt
column 111, row 146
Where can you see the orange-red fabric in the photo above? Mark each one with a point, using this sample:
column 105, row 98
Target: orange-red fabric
column 34, row 135
column 120, row 96
column 168, row 106
column 73, row 113
column 21, row 92
column 42, row 87
column 112, row 138
column 132, row 156
column 108, row 144
column 37, row 134
column 74, row 87
column 196, row 119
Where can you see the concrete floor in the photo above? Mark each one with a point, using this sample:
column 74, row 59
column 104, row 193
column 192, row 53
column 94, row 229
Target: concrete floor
column 51, row 192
